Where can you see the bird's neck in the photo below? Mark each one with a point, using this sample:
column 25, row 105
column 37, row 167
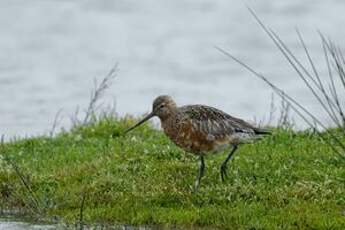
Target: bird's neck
column 171, row 114
column 170, row 124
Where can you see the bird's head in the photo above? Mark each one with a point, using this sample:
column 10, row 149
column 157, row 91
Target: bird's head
column 163, row 106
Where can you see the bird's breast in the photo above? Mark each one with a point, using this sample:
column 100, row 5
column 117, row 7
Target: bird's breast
column 185, row 135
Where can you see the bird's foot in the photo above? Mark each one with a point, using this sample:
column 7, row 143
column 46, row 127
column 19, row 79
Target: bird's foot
column 223, row 172
column 196, row 186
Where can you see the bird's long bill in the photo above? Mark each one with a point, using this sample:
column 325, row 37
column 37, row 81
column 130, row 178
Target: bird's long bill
column 140, row 122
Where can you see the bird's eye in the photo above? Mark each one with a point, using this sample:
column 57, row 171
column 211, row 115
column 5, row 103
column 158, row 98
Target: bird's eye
column 161, row 106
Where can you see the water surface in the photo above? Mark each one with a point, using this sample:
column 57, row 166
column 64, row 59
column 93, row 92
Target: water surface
column 50, row 52
column 17, row 225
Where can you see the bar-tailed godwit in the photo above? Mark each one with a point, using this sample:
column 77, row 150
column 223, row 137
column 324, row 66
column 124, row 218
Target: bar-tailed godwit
column 201, row 130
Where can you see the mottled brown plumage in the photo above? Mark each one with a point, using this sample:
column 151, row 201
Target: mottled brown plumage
column 201, row 129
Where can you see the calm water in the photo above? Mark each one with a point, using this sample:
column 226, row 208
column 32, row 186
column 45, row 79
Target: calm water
column 51, row 50
column 19, row 225
column 24, row 226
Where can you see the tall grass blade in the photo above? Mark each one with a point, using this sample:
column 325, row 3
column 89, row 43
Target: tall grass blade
column 295, row 106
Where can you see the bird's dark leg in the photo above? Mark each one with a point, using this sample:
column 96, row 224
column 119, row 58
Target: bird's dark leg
column 201, row 173
column 223, row 167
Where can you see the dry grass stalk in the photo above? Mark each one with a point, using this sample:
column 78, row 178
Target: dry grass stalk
column 327, row 97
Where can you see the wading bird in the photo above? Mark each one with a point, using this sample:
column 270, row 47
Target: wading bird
column 201, row 130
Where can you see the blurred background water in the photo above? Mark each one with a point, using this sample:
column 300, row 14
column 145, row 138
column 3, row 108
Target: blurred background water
column 13, row 225
column 51, row 50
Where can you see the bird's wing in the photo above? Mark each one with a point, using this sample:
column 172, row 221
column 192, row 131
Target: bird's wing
column 212, row 121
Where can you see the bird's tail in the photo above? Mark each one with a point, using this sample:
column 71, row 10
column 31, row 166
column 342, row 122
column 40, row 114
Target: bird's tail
column 260, row 131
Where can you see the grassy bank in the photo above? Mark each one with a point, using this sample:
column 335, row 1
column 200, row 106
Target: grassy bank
column 288, row 180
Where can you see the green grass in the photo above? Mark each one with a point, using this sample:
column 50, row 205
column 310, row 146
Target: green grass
column 290, row 180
